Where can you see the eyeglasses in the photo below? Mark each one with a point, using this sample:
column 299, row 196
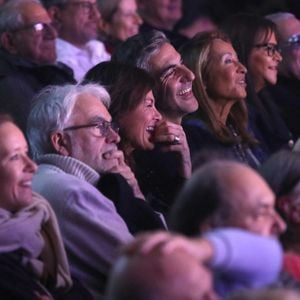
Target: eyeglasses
column 103, row 127
column 37, row 28
column 86, row 6
column 293, row 41
column 270, row 48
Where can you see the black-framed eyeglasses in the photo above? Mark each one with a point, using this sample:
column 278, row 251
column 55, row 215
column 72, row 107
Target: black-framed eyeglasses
column 37, row 27
column 270, row 48
column 103, row 127
column 86, row 6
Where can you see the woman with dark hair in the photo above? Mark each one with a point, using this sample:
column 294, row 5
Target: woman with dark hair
column 220, row 88
column 155, row 149
column 254, row 39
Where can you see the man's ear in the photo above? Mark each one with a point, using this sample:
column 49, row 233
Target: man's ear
column 60, row 144
column 7, row 42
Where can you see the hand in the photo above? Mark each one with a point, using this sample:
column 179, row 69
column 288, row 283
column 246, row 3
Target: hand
column 171, row 137
column 120, row 167
column 166, row 243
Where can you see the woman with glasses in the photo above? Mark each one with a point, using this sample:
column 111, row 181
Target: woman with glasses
column 220, row 123
column 255, row 41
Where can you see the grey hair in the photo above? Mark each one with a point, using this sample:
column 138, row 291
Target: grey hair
column 52, row 109
column 11, row 17
column 138, row 50
column 280, row 16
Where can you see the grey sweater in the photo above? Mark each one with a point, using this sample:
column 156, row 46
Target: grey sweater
column 91, row 228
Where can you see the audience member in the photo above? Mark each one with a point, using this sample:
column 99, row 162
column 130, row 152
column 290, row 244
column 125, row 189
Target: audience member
column 31, row 249
column 77, row 26
column 286, row 92
column 290, row 209
column 232, row 195
column 153, row 52
column 220, row 88
column 74, row 141
column 162, row 15
column 282, row 172
column 27, row 57
column 235, row 256
column 119, row 21
column 254, row 39
column 155, row 149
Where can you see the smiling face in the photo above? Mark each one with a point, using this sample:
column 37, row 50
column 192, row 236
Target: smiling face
column 35, row 46
column 176, row 98
column 16, row 169
column 85, row 144
column 138, row 125
column 226, row 76
column 125, row 22
column 263, row 65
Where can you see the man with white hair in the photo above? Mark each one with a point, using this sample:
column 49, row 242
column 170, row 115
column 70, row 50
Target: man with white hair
column 74, row 141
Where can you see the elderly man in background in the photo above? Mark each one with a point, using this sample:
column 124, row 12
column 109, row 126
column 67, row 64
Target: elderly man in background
column 27, row 56
column 233, row 195
column 73, row 140
column 286, row 91
column 77, row 26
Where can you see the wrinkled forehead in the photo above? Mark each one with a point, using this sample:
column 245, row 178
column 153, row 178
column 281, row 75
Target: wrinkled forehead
column 166, row 55
column 89, row 107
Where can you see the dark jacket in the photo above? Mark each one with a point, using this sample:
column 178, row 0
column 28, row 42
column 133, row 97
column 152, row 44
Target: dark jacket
column 20, row 80
column 286, row 95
